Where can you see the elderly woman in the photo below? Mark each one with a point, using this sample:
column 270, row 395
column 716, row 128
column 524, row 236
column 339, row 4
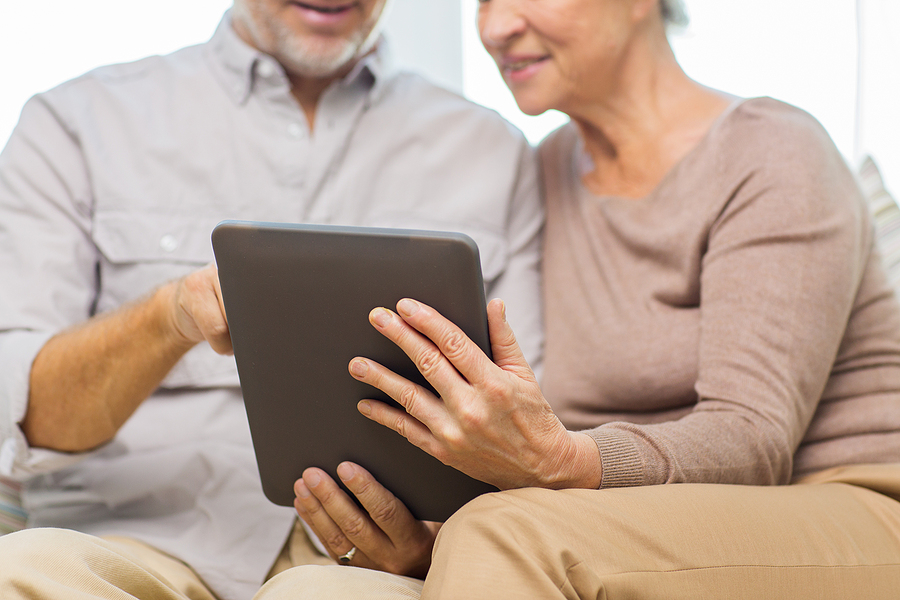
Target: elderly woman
column 716, row 314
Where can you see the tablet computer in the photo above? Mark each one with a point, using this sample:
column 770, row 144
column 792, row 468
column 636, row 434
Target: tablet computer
column 297, row 298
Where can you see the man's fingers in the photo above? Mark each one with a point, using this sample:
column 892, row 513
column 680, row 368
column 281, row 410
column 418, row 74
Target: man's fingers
column 337, row 520
column 203, row 311
column 386, row 511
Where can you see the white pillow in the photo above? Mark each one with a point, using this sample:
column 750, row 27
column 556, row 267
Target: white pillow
column 886, row 215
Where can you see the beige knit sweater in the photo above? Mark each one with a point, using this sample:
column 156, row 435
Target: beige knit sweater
column 733, row 326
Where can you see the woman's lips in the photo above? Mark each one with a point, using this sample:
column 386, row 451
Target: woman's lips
column 518, row 69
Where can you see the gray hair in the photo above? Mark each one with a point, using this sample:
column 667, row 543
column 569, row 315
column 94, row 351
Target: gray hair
column 673, row 13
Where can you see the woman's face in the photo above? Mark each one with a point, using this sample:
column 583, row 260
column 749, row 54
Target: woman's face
column 557, row 54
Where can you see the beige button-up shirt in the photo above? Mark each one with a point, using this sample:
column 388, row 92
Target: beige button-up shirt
column 111, row 184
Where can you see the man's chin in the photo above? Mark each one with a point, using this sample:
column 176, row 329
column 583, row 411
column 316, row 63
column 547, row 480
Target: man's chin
column 325, row 59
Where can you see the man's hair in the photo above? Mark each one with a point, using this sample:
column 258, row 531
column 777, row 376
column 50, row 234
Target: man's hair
column 673, row 12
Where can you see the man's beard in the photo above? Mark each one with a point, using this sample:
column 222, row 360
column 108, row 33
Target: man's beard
column 309, row 57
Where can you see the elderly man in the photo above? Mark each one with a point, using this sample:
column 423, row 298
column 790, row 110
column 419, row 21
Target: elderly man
column 116, row 404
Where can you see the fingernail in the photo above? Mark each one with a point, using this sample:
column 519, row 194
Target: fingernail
column 346, row 471
column 301, row 490
column 365, row 407
column 312, row 479
column 407, row 307
column 503, row 310
column 381, row 317
column 358, row 368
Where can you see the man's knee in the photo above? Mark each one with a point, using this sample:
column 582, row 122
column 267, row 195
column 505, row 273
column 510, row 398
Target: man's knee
column 336, row 582
column 28, row 545
column 24, row 553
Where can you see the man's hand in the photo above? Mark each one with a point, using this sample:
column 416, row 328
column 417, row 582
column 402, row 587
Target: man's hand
column 491, row 420
column 198, row 312
column 87, row 381
column 386, row 535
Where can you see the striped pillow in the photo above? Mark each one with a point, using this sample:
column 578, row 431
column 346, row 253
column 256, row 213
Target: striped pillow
column 886, row 215
column 12, row 517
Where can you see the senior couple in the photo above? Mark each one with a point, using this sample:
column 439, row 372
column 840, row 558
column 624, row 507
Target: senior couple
column 718, row 414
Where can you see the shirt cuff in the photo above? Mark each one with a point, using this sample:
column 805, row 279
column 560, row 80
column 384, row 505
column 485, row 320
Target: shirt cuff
column 619, row 456
column 17, row 459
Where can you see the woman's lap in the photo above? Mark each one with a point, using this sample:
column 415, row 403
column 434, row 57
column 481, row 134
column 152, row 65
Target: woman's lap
column 827, row 539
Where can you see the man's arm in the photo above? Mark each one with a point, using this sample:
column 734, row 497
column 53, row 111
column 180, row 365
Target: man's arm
column 87, row 381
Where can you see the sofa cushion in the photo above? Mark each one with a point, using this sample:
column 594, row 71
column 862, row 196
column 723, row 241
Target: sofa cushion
column 886, row 215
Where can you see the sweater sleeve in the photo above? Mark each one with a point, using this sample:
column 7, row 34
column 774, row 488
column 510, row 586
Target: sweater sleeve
column 778, row 278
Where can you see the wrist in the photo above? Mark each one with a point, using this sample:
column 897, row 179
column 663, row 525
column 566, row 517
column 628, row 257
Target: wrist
column 581, row 464
column 167, row 309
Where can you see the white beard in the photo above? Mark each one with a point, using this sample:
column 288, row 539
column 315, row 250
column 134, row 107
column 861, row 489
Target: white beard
column 310, row 57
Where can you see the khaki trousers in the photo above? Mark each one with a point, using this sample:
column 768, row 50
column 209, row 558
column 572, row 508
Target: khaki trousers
column 59, row 564
column 833, row 535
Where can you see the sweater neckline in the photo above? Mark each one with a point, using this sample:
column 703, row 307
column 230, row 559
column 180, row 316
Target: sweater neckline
column 582, row 159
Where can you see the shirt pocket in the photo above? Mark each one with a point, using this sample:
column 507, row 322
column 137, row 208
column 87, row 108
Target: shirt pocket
column 493, row 250
column 139, row 251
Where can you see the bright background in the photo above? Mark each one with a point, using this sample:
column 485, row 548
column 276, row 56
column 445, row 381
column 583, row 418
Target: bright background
column 805, row 52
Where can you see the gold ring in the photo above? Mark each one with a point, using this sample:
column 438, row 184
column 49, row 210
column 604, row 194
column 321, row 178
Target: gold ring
column 346, row 558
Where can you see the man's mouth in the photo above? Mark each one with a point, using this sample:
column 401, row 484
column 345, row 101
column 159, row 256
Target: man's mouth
column 325, row 10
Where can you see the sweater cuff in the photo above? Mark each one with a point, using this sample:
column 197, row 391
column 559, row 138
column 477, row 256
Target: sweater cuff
column 620, row 459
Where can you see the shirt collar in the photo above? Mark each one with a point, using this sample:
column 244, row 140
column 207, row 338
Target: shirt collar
column 236, row 64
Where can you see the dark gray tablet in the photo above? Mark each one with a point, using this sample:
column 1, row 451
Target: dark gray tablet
column 297, row 299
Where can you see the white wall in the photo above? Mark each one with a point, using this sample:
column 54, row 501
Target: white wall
column 45, row 43
column 879, row 94
column 801, row 51
column 426, row 35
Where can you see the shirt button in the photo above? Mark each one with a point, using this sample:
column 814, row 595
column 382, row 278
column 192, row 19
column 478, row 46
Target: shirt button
column 295, row 130
column 168, row 243
column 265, row 69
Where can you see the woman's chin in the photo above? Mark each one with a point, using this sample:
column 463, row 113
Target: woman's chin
column 532, row 108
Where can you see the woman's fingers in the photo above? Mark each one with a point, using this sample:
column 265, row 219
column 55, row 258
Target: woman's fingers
column 505, row 349
column 439, row 349
column 422, row 411
column 466, row 357
column 424, row 353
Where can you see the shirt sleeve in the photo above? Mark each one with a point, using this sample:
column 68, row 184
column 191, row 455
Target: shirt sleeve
column 45, row 248
column 519, row 285
column 784, row 259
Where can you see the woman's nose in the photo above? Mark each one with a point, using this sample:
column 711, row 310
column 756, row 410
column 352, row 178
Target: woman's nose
column 500, row 21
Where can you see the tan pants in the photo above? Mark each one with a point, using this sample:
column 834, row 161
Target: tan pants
column 835, row 535
column 58, row 564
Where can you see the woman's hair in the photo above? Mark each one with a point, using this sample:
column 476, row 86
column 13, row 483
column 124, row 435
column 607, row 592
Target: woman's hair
column 673, row 12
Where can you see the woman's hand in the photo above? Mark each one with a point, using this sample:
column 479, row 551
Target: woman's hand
column 386, row 535
column 491, row 420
